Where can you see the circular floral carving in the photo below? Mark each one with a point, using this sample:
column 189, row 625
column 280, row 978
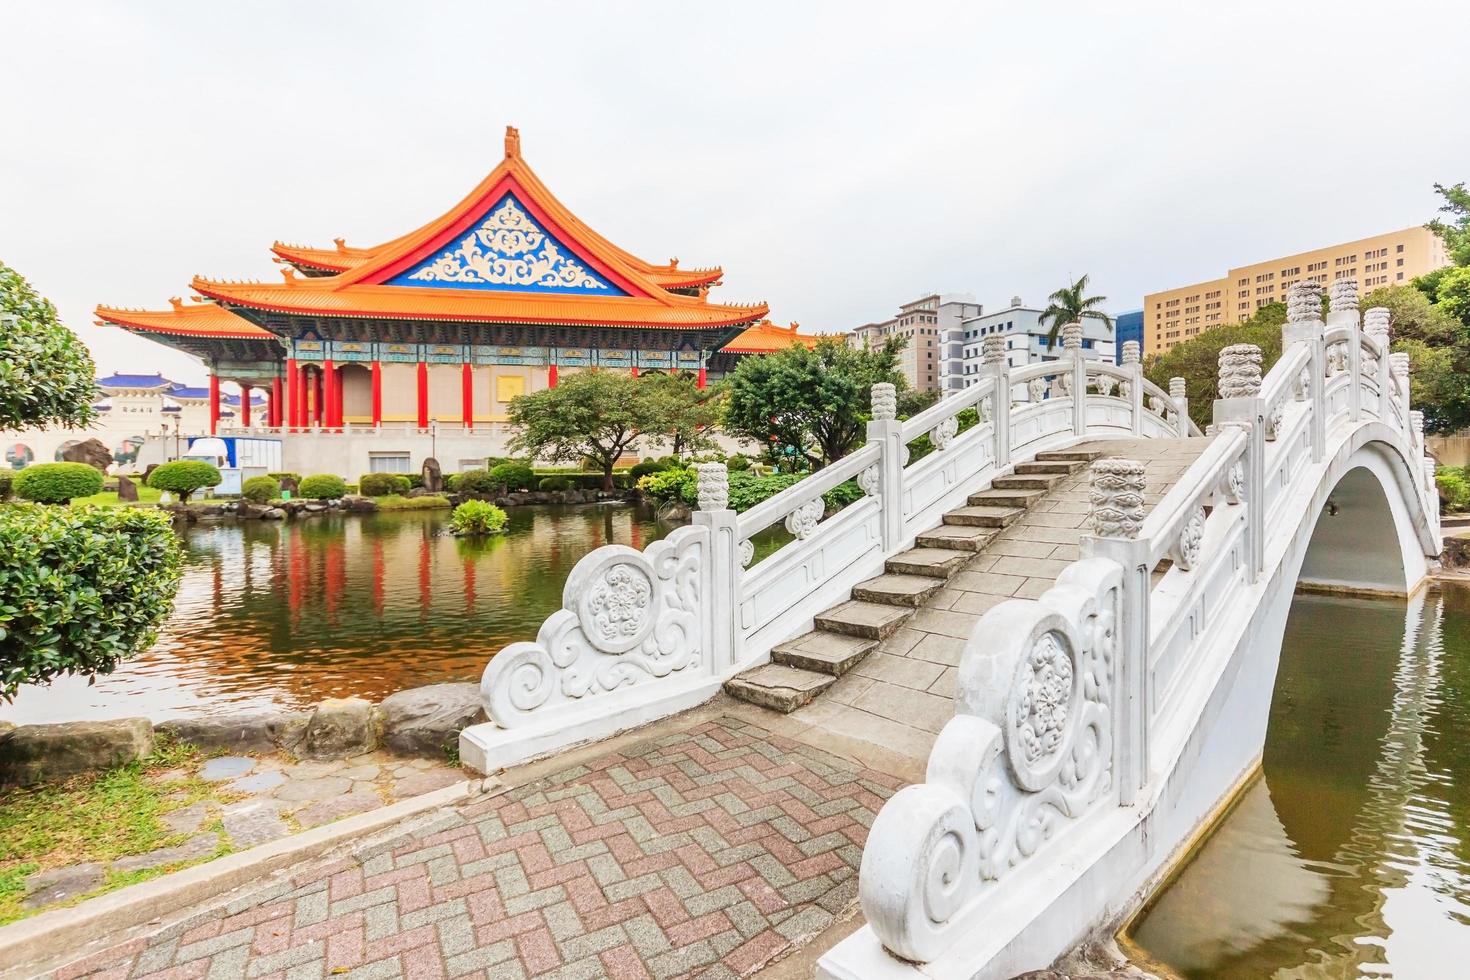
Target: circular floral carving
column 803, row 521
column 1046, row 699
column 1191, row 538
column 868, row 480
column 617, row 607
column 1235, row 482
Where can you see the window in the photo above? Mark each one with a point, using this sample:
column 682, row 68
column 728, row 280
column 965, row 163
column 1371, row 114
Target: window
column 391, row 462
column 1400, row 249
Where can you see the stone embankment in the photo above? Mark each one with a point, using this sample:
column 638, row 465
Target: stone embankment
column 283, row 509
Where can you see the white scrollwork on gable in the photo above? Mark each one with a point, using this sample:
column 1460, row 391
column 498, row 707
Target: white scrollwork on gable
column 508, row 249
column 627, row 617
column 1029, row 751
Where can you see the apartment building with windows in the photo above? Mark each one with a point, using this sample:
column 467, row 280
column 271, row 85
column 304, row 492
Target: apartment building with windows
column 1026, row 339
column 932, row 358
column 1175, row 315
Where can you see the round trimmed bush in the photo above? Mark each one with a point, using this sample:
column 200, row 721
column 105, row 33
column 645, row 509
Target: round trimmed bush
column 554, row 484
column 477, row 481
column 737, row 463
column 477, row 517
column 83, row 589
column 260, row 489
column 514, row 475
column 57, row 483
column 645, row 468
column 323, row 486
column 184, row 476
column 383, row 484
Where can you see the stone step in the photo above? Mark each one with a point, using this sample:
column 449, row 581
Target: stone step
column 778, row 687
column 1036, row 481
column 938, row 563
column 1069, row 456
column 868, row 620
column 897, row 590
column 958, row 537
column 1063, row 467
column 823, row 652
column 1005, row 498
column 984, row 516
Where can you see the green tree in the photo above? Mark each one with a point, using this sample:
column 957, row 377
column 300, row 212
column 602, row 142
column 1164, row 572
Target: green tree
column 596, row 415
column 46, row 374
column 689, row 412
column 184, row 476
column 1455, row 232
column 1070, row 304
column 814, row 399
column 1197, row 360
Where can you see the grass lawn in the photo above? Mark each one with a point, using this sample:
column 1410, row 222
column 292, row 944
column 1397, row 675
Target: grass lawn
column 108, row 498
column 395, row 502
column 100, row 817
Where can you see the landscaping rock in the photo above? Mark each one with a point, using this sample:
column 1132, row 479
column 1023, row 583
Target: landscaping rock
column 337, row 807
column 433, row 475
column 59, row 884
column 253, row 822
column 273, row 514
column 359, row 505
column 226, row 767
column 426, row 720
column 263, row 731
column 127, row 490
column 186, row 821
column 339, row 727
column 191, row 850
column 31, row 754
column 89, row 451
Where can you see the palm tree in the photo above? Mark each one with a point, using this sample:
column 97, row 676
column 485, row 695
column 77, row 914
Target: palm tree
column 1069, row 305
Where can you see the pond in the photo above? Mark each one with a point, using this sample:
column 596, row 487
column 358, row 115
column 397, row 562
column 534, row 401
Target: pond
column 1350, row 855
column 285, row 614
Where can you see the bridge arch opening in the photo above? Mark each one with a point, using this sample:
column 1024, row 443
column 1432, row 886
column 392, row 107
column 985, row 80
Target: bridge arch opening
column 1356, row 545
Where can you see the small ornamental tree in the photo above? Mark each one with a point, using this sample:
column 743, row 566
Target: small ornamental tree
column 57, row 483
column 592, row 415
column 382, row 484
column 323, row 486
column 512, row 475
column 260, row 489
column 184, row 476
column 46, row 374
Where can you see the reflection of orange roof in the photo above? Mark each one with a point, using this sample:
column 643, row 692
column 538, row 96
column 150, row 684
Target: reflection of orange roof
column 765, row 337
column 191, row 320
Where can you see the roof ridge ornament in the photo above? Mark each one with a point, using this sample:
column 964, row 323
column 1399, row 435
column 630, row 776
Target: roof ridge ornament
column 177, row 303
column 512, row 143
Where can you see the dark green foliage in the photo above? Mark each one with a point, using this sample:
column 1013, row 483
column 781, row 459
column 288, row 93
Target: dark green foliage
column 1454, row 488
column 512, row 475
column 7, row 477
column 80, row 590
column 260, row 489
column 554, row 484
column 382, row 484
column 737, row 463
column 57, row 483
column 284, row 476
column 1197, row 360
column 46, row 373
column 670, row 484
column 641, row 469
column 477, row 517
column 184, row 476
column 593, row 415
column 747, row 489
column 323, row 486
column 415, row 480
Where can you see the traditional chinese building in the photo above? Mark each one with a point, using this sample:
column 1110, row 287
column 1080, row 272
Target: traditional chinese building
column 447, row 323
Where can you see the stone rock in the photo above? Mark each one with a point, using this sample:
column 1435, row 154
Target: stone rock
column 192, row 849
column 34, row 753
column 340, row 727
column 337, row 807
column 148, row 471
column 245, row 510
column 359, row 505
column 426, row 720
column 89, row 451
column 226, row 767
column 59, row 884
column 186, row 821
column 260, row 782
column 426, row 782
column 127, row 490
column 263, row 731
column 320, row 788
column 273, row 514
column 433, row 476
column 253, row 822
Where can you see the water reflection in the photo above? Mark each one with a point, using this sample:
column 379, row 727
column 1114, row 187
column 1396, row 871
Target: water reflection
column 287, row 614
column 1350, row 855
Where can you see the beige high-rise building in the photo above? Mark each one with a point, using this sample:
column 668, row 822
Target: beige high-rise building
column 1384, row 260
column 925, row 362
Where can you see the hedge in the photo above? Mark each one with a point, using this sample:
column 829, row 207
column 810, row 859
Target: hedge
column 81, row 590
column 260, row 489
column 513, row 476
column 477, row 481
column 1453, row 487
column 554, row 484
column 323, row 486
column 57, row 483
column 383, row 484
column 184, row 476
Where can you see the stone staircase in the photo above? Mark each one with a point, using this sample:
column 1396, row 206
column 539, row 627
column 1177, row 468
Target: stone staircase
column 803, row 668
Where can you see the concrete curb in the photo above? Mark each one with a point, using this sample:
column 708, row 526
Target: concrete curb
column 27, row 943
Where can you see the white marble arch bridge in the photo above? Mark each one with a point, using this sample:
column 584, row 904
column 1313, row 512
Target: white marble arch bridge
column 1096, row 727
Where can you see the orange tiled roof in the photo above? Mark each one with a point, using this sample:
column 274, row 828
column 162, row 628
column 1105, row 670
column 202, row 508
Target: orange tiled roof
column 765, row 337
column 189, row 320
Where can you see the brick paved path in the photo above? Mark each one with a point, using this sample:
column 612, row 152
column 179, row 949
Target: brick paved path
column 707, row 852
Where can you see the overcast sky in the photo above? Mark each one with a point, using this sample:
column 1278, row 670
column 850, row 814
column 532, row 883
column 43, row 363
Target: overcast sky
column 837, row 159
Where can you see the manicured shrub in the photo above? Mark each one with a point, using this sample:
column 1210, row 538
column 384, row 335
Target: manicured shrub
column 514, row 475
column 737, row 463
column 477, row 517
column 676, row 484
column 57, row 483
column 415, row 480
column 639, row 470
column 282, row 477
column 80, row 590
column 1453, row 487
column 46, row 373
column 477, row 481
column 554, row 484
column 260, row 489
column 382, row 484
column 323, row 486
column 184, row 476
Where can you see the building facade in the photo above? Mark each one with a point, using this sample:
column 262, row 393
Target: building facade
column 933, row 355
column 1175, row 315
column 1127, row 326
column 1026, row 339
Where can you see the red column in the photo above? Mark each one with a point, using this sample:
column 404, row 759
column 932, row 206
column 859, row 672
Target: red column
column 244, row 404
column 329, row 393
column 467, row 393
column 377, row 393
column 318, row 389
column 423, row 395
column 337, row 403
column 703, row 381
column 213, row 404
column 635, row 370
column 551, row 376
column 293, row 393
column 273, row 412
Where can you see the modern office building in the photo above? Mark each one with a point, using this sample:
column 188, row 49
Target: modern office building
column 1026, row 339
column 1177, row 314
column 1127, row 326
column 933, row 358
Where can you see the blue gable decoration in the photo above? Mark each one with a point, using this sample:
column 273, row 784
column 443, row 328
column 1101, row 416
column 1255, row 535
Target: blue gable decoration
column 507, row 250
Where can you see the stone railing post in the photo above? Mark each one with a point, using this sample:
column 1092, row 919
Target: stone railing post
column 723, row 575
column 1133, row 364
column 1179, row 392
column 887, row 433
column 1240, row 406
column 1344, row 312
column 1304, row 326
column 1377, row 323
column 993, row 355
column 1398, row 366
column 1117, row 517
column 1072, row 344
